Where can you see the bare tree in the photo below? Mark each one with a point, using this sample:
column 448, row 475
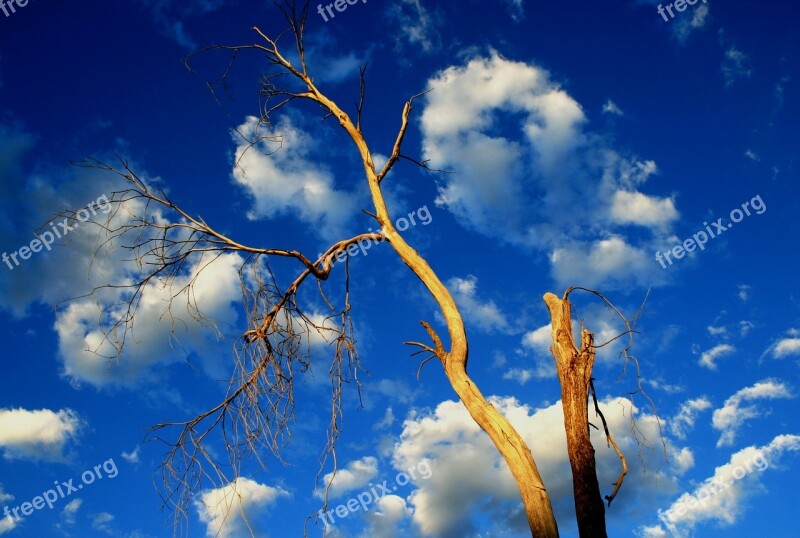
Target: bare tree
column 255, row 414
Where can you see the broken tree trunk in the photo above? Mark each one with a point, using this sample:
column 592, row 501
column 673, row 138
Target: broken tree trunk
column 574, row 369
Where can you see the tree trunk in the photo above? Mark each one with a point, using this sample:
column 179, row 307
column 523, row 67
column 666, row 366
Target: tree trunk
column 512, row 447
column 574, row 373
column 509, row 443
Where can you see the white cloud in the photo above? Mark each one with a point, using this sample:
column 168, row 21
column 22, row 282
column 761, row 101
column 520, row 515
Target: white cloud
column 744, row 292
column 717, row 331
column 610, row 107
column 282, row 178
column 355, row 475
column 786, row 347
column 659, row 384
column 416, row 26
column 752, row 155
column 65, row 267
column 685, row 26
column 601, row 263
column 83, row 345
column 735, row 65
column 523, row 162
column 8, row 523
column 684, row 421
column 38, row 434
column 520, row 375
column 445, row 503
column 482, row 315
column 745, row 327
column 387, row 518
column 733, row 414
column 101, row 521
column 539, row 341
column 131, row 457
column 708, row 358
column 76, row 265
column 70, row 510
column 237, row 509
column 722, row 498
column 387, row 420
column 637, row 208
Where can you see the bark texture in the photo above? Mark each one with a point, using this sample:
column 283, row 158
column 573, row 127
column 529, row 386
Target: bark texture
column 574, row 368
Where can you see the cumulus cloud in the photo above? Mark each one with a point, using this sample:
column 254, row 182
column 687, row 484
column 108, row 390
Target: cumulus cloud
column 708, row 358
column 83, row 260
column 523, row 161
column 733, row 414
column 215, row 293
column 388, row 518
column 605, row 262
column 444, row 504
column 787, row 347
column 282, row 179
column 539, row 339
column 538, row 342
column 355, row 476
column 33, row 198
column 637, row 208
column 237, row 509
column 684, row 420
column 39, row 434
column 7, row 524
column 5, row 497
column 479, row 314
column 722, row 498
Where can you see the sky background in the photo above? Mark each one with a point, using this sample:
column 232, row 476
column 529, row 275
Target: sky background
column 582, row 138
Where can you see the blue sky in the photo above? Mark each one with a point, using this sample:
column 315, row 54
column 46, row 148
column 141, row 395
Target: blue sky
column 582, row 138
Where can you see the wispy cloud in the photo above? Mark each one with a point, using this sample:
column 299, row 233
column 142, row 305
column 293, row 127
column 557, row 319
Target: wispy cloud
column 733, row 414
column 708, row 358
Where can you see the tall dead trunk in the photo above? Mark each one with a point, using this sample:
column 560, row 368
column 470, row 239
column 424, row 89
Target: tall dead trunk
column 509, row 443
column 574, row 368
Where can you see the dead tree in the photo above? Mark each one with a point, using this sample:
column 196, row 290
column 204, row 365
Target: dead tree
column 257, row 409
